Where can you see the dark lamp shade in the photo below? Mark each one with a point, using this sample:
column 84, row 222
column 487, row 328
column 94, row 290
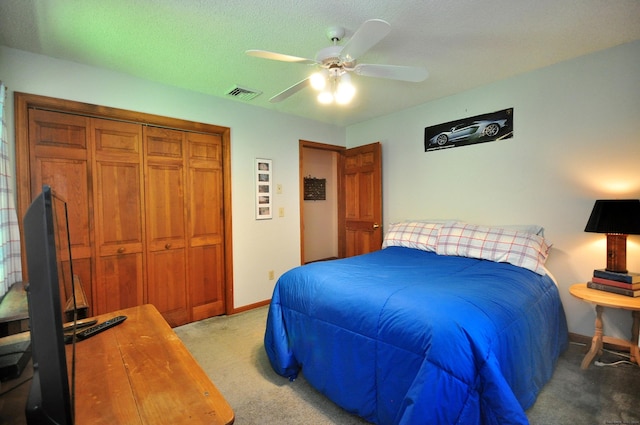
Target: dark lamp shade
column 615, row 216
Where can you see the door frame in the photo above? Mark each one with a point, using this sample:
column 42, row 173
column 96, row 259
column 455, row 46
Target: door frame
column 24, row 101
column 302, row 144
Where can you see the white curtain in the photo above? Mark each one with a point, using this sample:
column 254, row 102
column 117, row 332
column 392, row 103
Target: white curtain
column 10, row 266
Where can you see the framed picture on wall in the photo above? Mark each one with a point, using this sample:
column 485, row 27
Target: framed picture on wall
column 483, row 128
column 264, row 193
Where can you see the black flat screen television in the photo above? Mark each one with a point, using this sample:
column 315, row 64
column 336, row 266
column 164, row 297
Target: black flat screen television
column 46, row 242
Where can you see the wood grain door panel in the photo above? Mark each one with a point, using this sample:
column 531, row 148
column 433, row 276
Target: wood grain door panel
column 167, row 288
column 362, row 177
column 117, row 173
column 119, row 207
column 206, row 271
column 119, row 282
column 165, row 207
column 205, row 212
column 167, row 270
column 59, row 158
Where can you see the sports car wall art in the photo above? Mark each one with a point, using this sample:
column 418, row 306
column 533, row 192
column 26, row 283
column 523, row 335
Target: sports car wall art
column 482, row 128
column 465, row 132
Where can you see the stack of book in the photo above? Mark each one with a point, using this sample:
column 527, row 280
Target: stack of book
column 619, row 283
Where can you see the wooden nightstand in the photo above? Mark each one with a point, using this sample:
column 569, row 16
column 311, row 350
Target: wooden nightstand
column 603, row 299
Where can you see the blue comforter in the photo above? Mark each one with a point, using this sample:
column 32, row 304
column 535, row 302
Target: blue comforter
column 402, row 336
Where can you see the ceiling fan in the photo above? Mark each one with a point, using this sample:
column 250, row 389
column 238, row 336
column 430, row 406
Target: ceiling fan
column 337, row 62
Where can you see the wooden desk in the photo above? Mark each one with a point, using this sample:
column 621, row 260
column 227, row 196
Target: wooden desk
column 138, row 372
column 14, row 309
column 603, row 299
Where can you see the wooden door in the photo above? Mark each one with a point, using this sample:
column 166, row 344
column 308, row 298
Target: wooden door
column 205, row 220
column 167, row 273
column 58, row 155
column 117, row 181
column 362, row 177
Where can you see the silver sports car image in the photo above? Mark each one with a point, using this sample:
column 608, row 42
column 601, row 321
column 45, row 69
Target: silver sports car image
column 462, row 132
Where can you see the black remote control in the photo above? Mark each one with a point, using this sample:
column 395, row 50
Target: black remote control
column 96, row 329
column 79, row 324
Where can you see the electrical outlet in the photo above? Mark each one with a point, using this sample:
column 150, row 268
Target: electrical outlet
column 271, row 275
column 279, row 189
column 281, row 212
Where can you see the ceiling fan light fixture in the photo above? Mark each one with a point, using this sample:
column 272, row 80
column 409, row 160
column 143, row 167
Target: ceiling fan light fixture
column 325, row 97
column 318, row 80
column 345, row 91
column 337, row 61
column 340, row 89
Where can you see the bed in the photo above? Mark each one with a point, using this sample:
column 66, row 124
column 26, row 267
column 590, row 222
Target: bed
column 449, row 323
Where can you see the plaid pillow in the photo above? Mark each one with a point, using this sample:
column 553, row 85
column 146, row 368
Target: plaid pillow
column 413, row 234
column 521, row 249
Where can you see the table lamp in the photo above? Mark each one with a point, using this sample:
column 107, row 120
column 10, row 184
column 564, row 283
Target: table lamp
column 617, row 218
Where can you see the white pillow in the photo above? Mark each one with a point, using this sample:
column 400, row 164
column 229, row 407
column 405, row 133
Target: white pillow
column 529, row 228
column 521, row 249
column 413, row 234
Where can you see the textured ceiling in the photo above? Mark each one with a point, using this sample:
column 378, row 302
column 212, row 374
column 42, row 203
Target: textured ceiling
column 199, row 44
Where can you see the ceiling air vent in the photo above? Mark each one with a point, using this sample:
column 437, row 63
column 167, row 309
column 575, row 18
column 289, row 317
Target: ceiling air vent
column 243, row 93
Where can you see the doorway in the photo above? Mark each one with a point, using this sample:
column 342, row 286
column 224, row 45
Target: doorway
column 358, row 177
column 320, row 217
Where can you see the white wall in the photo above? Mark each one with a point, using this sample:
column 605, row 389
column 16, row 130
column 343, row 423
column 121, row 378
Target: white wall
column 258, row 246
column 576, row 139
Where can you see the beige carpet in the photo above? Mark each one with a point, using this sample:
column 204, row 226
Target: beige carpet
column 230, row 350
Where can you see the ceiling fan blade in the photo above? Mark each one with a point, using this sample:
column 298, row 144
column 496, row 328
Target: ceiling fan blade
column 290, row 91
column 278, row 57
column 405, row 73
column 367, row 36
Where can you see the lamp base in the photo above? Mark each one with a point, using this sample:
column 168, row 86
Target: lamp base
column 616, row 253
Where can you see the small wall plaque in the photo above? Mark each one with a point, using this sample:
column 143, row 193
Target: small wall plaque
column 315, row 189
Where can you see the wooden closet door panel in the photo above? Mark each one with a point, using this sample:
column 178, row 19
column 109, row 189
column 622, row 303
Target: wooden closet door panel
column 165, row 207
column 166, row 268
column 205, row 195
column 167, row 271
column 119, row 214
column 59, row 157
column 206, row 225
column 68, row 179
column 167, row 284
column 120, row 279
column 56, row 135
column 119, row 207
column 206, row 275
